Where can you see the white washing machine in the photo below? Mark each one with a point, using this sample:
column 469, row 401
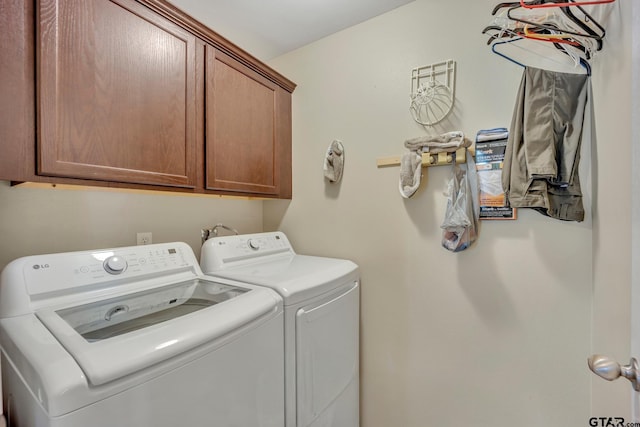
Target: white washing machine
column 137, row 337
column 321, row 324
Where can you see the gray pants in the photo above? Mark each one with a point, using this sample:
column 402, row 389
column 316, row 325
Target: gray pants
column 543, row 152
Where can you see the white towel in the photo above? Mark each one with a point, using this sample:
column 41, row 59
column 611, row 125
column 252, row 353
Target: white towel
column 411, row 162
column 410, row 173
column 334, row 161
column 446, row 142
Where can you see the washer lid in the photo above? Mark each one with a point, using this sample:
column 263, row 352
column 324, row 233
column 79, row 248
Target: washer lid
column 295, row 277
column 118, row 336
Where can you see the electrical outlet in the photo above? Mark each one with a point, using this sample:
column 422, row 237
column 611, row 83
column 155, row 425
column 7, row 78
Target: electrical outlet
column 144, row 238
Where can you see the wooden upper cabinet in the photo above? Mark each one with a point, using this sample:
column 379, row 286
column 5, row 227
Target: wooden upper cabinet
column 248, row 129
column 136, row 93
column 117, row 95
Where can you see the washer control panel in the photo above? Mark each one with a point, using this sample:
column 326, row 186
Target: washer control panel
column 48, row 273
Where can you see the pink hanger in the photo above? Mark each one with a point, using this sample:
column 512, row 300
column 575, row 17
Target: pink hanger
column 577, row 3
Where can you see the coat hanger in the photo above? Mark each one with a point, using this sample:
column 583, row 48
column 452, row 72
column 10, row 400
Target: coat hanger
column 573, row 36
column 544, row 36
column 511, row 4
column 582, row 23
column 577, row 58
column 508, row 58
column 588, row 34
column 565, row 4
column 502, row 32
column 586, row 66
column 558, row 39
column 541, row 35
column 584, row 63
column 568, row 13
column 527, row 32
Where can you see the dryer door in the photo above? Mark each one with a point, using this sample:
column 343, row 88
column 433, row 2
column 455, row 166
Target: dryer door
column 327, row 353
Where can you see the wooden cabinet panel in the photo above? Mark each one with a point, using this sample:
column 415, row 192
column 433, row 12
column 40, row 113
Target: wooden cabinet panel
column 17, row 88
column 117, row 93
column 248, row 122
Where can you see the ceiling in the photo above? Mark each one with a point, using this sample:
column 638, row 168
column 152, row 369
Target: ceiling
column 267, row 29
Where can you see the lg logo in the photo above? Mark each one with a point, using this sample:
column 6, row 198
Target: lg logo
column 39, row 266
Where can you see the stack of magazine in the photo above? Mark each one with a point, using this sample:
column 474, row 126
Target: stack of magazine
column 490, row 148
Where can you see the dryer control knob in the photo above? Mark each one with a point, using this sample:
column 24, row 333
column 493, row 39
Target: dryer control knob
column 115, row 264
column 253, row 244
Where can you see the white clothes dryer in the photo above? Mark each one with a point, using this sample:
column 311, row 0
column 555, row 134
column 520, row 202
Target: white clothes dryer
column 321, row 323
column 135, row 337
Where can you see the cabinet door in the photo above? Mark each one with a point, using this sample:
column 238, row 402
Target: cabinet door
column 17, row 87
column 117, row 93
column 248, row 129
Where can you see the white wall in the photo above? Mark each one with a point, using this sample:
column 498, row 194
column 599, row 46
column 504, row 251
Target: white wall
column 494, row 336
column 612, row 83
column 36, row 220
column 635, row 222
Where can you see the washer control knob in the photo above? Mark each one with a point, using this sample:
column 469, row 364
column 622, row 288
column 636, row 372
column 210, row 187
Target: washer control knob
column 253, row 244
column 115, row 264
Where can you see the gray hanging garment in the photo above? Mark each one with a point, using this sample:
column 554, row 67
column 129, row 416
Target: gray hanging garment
column 543, row 152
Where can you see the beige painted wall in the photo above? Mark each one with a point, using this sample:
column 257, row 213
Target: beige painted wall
column 611, row 322
column 35, row 220
column 494, row 336
column 635, row 179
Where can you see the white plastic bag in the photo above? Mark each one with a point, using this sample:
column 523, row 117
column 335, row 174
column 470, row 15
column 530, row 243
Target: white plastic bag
column 460, row 225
